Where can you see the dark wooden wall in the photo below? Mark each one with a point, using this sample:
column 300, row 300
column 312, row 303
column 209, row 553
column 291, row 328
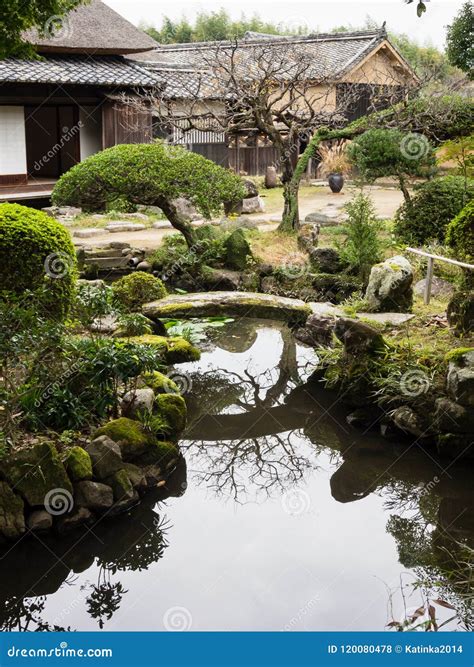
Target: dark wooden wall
column 251, row 160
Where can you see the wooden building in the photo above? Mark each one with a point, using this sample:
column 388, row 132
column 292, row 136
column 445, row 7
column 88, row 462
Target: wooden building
column 65, row 105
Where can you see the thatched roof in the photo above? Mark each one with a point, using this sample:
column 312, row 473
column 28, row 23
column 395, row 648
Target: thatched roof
column 93, row 28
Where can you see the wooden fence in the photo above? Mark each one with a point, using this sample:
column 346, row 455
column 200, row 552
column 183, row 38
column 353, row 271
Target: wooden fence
column 429, row 272
column 250, row 160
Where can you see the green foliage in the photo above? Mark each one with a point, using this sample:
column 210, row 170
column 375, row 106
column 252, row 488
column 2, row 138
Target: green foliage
column 174, row 259
column 148, row 174
column 217, row 25
column 362, row 248
column 18, row 16
column 427, row 61
column 36, row 254
column 85, row 382
column 133, row 324
column 379, row 153
column 460, row 234
column 438, row 117
column 433, row 206
column 461, row 151
column 459, row 40
column 132, row 291
column 92, row 302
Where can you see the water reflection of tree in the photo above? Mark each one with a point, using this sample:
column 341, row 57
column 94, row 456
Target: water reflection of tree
column 238, row 467
column 32, row 570
column 436, row 541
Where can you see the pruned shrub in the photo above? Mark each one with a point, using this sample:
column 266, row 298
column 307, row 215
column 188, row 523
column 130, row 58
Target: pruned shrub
column 36, row 255
column 431, row 209
column 132, row 291
column 148, row 174
column 460, row 234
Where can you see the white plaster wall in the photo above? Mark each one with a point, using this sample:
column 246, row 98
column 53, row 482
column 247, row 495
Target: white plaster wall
column 12, row 140
column 91, row 131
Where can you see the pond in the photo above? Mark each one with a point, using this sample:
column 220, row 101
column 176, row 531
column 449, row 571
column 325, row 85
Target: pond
column 280, row 517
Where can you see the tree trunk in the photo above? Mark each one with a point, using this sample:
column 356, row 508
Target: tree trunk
column 290, row 218
column 404, row 189
column 179, row 221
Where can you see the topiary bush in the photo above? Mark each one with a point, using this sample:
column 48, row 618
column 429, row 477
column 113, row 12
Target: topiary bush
column 460, row 234
column 36, row 254
column 150, row 174
column 431, row 209
column 132, row 291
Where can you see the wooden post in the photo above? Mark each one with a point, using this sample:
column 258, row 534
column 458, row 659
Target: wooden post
column 429, row 280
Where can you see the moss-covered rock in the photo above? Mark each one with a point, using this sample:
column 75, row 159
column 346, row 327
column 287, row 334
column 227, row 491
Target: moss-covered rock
column 460, row 312
column 121, row 485
column 135, row 475
column 237, row 251
column 160, row 383
column 12, row 520
column 173, row 349
column 172, row 409
column 78, row 464
column 131, row 436
column 162, row 453
column 34, row 472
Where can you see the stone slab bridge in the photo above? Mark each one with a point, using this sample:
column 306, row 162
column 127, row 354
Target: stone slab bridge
column 230, row 304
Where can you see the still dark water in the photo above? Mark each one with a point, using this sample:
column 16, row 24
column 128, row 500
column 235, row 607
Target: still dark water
column 280, row 517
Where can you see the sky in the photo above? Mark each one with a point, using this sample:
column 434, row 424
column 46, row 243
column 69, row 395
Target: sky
column 317, row 15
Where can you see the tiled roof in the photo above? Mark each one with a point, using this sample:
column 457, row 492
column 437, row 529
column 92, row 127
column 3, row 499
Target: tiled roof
column 328, row 56
column 83, row 70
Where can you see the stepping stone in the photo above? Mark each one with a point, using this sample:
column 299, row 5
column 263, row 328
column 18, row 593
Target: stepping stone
column 393, row 319
column 88, row 232
column 124, row 226
column 161, row 224
column 109, row 262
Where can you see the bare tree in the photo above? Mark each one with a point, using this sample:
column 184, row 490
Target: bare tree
column 280, row 91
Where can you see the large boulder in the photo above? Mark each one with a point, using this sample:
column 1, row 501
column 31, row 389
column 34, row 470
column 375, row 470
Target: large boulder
column 325, row 260
column 138, row 402
column 237, row 251
column 36, row 471
column 105, row 455
column 131, row 436
column 460, row 312
column 253, row 205
column 93, row 496
column 390, row 286
column 358, row 337
column 185, row 209
column 318, row 330
column 453, row 418
column 40, row 521
column 12, row 520
column 439, row 287
column 460, row 378
column 271, row 177
column 78, row 464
